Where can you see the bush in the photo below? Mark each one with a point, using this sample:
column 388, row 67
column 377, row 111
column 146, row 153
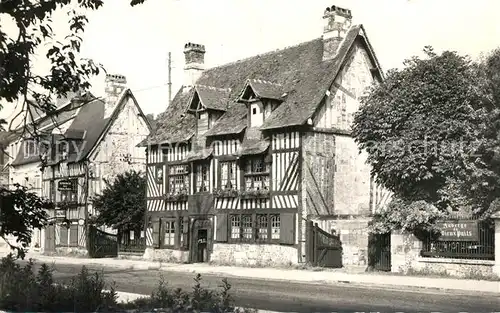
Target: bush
column 24, row 290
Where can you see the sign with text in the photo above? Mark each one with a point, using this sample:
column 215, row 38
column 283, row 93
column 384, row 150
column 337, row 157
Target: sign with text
column 65, row 185
column 458, row 230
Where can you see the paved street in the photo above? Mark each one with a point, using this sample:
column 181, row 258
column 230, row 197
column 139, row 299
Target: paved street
column 300, row 297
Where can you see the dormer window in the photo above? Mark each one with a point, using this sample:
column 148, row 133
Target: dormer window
column 261, row 97
column 208, row 104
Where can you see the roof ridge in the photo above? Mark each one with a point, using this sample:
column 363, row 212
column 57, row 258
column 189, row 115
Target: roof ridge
column 213, row 88
column 265, row 82
column 263, row 54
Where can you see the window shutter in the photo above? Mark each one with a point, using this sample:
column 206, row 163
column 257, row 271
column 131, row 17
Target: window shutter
column 156, row 232
column 287, row 228
column 73, row 235
column 221, row 227
column 178, row 233
column 63, row 235
column 185, row 232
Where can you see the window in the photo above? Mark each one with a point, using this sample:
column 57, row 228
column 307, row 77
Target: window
column 254, row 111
column 159, row 174
column 178, row 180
column 247, row 226
column 275, row 226
column 69, row 195
column 30, row 148
column 235, row 227
column 169, row 233
column 202, row 178
column 262, row 227
column 228, row 175
column 256, row 174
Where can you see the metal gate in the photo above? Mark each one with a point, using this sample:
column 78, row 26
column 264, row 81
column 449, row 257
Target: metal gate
column 379, row 252
column 102, row 244
column 322, row 249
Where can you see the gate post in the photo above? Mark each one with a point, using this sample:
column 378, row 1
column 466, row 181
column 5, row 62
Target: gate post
column 496, row 219
column 309, row 242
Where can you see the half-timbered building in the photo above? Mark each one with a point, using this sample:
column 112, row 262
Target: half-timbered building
column 97, row 144
column 249, row 151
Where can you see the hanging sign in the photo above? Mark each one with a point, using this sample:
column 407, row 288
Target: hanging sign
column 65, row 185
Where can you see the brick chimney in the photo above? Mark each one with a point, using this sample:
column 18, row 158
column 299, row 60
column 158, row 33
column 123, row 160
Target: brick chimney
column 194, row 55
column 337, row 23
column 115, row 85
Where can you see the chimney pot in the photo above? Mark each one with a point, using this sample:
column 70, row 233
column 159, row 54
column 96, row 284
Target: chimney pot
column 194, row 56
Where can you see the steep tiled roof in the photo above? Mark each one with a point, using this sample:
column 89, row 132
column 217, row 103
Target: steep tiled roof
column 298, row 71
column 213, row 98
column 174, row 125
column 232, row 122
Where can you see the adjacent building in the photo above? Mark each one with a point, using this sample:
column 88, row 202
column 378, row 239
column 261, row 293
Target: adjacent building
column 249, row 151
column 99, row 143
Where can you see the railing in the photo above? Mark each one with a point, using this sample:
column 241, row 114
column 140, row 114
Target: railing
column 477, row 240
column 134, row 245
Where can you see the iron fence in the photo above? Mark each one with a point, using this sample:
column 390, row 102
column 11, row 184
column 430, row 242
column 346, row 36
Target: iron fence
column 129, row 244
column 480, row 245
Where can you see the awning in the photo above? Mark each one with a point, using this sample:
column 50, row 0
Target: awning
column 252, row 148
column 199, row 154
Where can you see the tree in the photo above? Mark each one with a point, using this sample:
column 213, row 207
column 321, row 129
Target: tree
column 423, row 128
column 122, row 203
column 31, row 21
column 20, row 212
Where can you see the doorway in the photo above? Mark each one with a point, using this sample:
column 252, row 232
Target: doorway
column 202, row 255
column 201, row 239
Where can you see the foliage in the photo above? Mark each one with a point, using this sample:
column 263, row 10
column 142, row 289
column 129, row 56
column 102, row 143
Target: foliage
column 199, row 299
column 421, row 124
column 430, row 130
column 408, row 216
column 20, row 212
column 122, row 203
column 254, row 193
column 24, row 290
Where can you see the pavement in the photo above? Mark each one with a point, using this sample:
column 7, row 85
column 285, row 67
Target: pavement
column 290, row 275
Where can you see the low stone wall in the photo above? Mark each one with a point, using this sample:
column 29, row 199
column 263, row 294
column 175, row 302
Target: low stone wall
column 405, row 258
column 254, row 254
column 69, row 251
column 166, row 255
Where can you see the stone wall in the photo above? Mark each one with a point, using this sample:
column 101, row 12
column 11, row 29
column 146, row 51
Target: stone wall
column 166, row 255
column 405, row 258
column 253, row 254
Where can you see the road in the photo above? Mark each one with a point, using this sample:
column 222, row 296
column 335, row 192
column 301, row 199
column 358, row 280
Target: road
column 299, row 297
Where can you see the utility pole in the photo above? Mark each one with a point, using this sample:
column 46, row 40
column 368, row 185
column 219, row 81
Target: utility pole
column 169, row 78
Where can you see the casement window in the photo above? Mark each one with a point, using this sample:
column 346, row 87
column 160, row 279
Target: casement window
column 262, row 227
column 228, row 175
column 256, row 174
column 30, row 148
column 168, row 233
column 235, row 227
column 178, row 179
column 275, row 226
column 69, row 195
column 202, row 178
column 259, row 227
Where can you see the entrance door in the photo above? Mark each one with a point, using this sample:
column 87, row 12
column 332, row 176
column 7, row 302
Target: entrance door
column 202, row 255
column 201, row 241
column 50, row 238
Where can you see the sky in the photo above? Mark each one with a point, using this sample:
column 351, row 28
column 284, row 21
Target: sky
column 135, row 42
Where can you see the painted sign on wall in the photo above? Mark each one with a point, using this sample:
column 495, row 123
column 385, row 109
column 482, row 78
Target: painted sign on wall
column 459, row 230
